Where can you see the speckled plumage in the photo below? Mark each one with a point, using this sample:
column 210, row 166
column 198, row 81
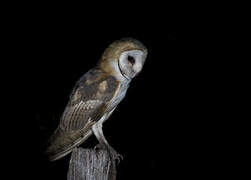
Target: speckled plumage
column 93, row 99
column 87, row 104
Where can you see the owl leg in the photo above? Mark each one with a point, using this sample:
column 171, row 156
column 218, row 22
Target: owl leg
column 98, row 132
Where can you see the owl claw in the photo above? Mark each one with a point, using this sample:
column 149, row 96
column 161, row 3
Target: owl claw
column 116, row 157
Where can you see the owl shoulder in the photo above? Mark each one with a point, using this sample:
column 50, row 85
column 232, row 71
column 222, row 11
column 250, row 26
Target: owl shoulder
column 95, row 85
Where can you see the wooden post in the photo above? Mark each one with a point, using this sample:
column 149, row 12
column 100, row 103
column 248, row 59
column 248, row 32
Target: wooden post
column 90, row 164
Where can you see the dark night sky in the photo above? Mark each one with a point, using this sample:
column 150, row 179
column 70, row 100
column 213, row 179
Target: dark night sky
column 164, row 125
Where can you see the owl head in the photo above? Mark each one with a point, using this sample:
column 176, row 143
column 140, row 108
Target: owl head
column 124, row 58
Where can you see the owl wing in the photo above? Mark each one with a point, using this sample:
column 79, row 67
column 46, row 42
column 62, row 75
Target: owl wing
column 87, row 104
column 77, row 116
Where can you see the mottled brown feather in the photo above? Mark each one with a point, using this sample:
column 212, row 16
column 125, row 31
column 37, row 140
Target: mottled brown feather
column 98, row 85
column 83, row 110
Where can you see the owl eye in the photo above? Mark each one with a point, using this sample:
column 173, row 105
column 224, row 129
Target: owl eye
column 131, row 59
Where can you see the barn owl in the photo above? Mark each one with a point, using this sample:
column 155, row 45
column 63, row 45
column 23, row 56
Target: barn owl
column 95, row 96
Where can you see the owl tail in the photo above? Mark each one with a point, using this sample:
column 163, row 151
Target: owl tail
column 62, row 142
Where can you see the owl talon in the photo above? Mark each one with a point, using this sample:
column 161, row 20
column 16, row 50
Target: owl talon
column 119, row 157
column 115, row 156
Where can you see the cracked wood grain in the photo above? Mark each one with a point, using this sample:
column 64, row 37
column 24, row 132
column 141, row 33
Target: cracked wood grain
column 90, row 164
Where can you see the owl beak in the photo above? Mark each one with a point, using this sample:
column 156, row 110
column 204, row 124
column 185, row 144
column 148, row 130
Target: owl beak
column 125, row 76
column 137, row 68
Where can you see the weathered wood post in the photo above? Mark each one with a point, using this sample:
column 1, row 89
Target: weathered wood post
column 90, row 164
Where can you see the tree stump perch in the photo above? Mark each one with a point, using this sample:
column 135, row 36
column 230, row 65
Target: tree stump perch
column 90, row 164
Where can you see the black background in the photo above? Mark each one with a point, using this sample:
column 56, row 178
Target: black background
column 166, row 126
